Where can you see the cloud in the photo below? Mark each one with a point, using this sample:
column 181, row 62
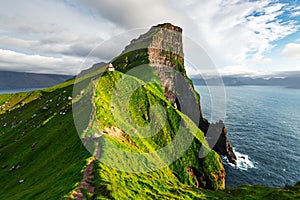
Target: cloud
column 29, row 28
column 76, row 46
column 292, row 50
column 43, row 64
column 135, row 13
column 233, row 33
column 295, row 11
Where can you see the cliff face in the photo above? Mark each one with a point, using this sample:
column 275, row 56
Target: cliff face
column 162, row 48
column 222, row 145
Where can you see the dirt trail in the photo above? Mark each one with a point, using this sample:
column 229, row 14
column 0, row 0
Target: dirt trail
column 88, row 177
column 86, row 183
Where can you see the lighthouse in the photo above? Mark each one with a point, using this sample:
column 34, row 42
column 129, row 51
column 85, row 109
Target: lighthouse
column 111, row 67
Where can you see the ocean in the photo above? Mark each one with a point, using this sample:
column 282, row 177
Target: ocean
column 263, row 124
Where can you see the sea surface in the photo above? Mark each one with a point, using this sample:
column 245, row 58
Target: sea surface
column 263, row 125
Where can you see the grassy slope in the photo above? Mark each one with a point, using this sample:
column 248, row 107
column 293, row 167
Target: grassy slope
column 140, row 102
column 54, row 165
column 53, row 168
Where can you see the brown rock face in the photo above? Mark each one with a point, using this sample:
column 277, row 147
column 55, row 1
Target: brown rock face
column 200, row 181
column 166, row 47
column 161, row 48
column 166, row 52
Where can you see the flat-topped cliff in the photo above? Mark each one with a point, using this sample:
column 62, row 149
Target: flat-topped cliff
column 162, row 48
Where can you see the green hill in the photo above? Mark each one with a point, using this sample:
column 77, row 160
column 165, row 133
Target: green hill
column 42, row 156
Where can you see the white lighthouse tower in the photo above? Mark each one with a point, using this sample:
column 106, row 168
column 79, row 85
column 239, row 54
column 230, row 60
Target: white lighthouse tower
column 111, row 67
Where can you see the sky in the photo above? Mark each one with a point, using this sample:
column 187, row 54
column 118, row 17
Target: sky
column 240, row 37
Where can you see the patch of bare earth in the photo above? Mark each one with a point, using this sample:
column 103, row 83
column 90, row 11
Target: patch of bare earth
column 114, row 132
column 86, row 183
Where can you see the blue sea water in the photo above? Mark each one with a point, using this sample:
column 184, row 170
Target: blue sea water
column 263, row 125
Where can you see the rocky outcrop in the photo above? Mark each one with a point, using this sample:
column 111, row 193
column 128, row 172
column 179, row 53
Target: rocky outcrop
column 200, row 181
column 162, row 48
column 222, row 145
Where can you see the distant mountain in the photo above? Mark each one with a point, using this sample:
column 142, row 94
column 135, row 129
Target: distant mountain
column 93, row 68
column 17, row 80
column 288, row 81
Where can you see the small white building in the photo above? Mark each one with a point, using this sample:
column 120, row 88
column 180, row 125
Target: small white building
column 111, row 67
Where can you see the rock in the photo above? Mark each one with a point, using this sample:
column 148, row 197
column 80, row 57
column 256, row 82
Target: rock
column 219, row 142
column 21, row 181
column 12, row 169
column 45, row 108
column 14, row 124
column 33, row 145
column 195, row 174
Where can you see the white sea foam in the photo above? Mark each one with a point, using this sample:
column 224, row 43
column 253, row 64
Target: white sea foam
column 243, row 161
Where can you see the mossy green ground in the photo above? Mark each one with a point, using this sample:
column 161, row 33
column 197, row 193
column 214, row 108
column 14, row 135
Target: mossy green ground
column 138, row 107
column 54, row 166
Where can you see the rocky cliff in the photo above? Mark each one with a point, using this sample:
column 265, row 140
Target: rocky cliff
column 162, row 48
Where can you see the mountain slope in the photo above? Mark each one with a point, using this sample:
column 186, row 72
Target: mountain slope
column 36, row 145
column 17, row 80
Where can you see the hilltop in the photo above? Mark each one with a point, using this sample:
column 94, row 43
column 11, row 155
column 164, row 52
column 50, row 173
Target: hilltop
column 60, row 142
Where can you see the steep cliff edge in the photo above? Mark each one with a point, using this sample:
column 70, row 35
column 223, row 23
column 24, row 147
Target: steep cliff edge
column 162, row 48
